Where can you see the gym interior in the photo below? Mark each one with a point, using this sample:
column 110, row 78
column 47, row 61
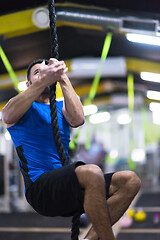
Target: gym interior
column 112, row 51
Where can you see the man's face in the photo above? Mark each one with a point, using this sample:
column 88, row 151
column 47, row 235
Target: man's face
column 34, row 74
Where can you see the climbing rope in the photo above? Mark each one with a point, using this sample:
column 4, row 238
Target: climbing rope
column 54, row 118
column 55, row 54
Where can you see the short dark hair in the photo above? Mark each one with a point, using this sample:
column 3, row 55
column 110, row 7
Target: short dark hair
column 38, row 61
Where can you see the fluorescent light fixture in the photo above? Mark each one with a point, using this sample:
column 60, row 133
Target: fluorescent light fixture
column 40, row 18
column 7, row 136
column 156, row 118
column 0, row 115
column 22, row 86
column 147, row 39
column 99, row 117
column 153, row 95
column 138, row 155
column 113, row 154
column 148, row 76
column 154, row 107
column 90, row 109
column 124, row 119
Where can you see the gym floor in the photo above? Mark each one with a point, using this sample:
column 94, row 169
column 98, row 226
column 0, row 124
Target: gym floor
column 32, row 226
column 149, row 228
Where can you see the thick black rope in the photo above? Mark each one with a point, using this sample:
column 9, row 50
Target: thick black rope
column 54, row 118
column 75, row 226
column 53, row 108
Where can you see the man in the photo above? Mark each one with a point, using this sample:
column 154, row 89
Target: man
column 51, row 189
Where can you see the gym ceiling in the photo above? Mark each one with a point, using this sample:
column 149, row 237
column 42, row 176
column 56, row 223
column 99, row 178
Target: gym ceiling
column 81, row 37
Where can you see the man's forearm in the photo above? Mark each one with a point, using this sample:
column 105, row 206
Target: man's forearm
column 18, row 105
column 73, row 110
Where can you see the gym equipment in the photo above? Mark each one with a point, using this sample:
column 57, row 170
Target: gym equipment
column 126, row 221
column 156, row 218
column 131, row 212
column 140, row 216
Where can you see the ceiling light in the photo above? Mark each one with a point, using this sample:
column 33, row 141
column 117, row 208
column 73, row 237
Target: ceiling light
column 90, row 109
column 153, row 95
column 153, row 40
column 124, row 119
column 156, row 118
column 7, row 136
column 40, row 18
column 113, row 154
column 138, row 155
column 148, row 76
column 154, row 107
column 22, row 86
column 99, row 117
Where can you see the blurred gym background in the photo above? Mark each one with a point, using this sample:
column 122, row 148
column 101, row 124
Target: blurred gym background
column 112, row 51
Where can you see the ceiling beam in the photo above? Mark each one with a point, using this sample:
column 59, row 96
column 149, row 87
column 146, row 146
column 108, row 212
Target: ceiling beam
column 139, row 65
column 20, row 23
column 17, row 24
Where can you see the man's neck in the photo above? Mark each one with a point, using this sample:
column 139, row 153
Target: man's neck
column 43, row 99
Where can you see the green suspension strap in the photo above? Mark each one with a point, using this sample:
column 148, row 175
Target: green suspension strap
column 96, row 80
column 92, row 93
column 105, row 50
column 9, row 69
column 73, row 142
column 144, row 126
column 130, row 85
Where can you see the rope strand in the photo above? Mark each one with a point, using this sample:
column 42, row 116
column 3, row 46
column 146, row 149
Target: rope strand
column 75, row 226
column 53, row 108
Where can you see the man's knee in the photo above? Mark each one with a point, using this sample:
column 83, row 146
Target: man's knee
column 133, row 182
column 127, row 182
column 89, row 175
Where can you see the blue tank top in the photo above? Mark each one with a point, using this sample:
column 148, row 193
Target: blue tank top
column 33, row 139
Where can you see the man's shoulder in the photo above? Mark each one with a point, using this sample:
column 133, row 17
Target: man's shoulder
column 9, row 125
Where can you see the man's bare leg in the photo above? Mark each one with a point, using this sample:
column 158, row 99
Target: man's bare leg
column 92, row 181
column 124, row 186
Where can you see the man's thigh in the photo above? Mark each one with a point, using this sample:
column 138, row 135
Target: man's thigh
column 57, row 192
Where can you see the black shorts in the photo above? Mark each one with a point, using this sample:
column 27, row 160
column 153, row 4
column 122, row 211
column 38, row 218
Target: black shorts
column 58, row 193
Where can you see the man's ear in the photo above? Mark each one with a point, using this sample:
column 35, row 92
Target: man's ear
column 28, row 83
